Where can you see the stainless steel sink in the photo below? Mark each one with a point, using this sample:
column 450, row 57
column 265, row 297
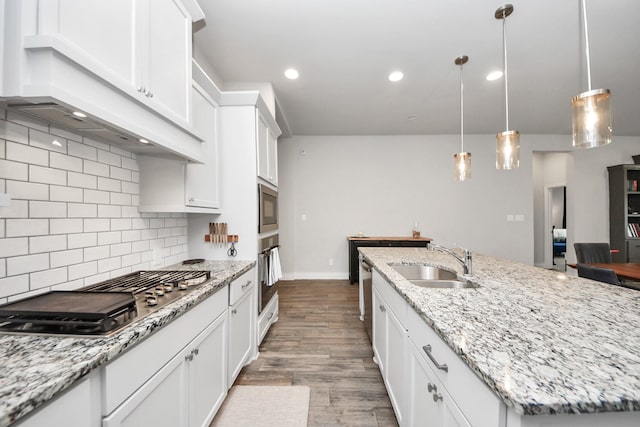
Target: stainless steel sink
column 443, row 284
column 428, row 276
column 423, row 272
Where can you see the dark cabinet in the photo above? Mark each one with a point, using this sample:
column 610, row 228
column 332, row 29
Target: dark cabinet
column 624, row 212
column 377, row 242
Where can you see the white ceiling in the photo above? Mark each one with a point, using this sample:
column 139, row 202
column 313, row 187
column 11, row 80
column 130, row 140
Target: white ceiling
column 345, row 49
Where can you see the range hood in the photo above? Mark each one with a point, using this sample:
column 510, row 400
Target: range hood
column 80, row 123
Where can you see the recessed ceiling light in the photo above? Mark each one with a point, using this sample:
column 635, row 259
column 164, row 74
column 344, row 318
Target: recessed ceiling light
column 79, row 114
column 144, row 141
column 494, row 75
column 291, row 74
column 396, row 76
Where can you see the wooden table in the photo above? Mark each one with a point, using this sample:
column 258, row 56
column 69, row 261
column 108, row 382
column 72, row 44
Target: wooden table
column 624, row 270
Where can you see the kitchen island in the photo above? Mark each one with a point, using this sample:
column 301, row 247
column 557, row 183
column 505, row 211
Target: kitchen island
column 549, row 346
column 35, row 369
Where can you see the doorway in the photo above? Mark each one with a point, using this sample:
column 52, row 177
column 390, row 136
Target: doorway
column 558, row 221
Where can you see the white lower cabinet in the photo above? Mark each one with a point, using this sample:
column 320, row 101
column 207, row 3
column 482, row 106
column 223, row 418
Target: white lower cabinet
column 242, row 312
column 141, row 388
column 268, row 317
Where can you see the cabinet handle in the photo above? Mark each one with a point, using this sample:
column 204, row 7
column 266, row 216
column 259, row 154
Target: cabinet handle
column 195, row 351
column 246, row 284
column 150, row 94
column 188, row 357
column 270, row 316
column 427, row 349
column 437, row 397
column 234, row 311
column 382, row 309
column 191, row 199
column 140, row 88
column 431, row 388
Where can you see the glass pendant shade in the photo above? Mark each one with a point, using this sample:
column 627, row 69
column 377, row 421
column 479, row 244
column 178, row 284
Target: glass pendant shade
column 508, row 150
column 462, row 166
column 591, row 113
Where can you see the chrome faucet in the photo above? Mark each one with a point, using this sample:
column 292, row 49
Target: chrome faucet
column 465, row 260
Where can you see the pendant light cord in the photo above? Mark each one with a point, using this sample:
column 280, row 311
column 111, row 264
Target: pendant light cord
column 504, row 62
column 586, row 42
column 461, row 112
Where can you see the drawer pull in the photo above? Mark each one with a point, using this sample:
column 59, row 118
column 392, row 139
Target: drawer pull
column 246, row 284
column 234, row 311
column 270, row 316
column 188, row 357
column 382, row 309
column 437, row 397
column 432, row 388
column 427, row 349
column 195, row 351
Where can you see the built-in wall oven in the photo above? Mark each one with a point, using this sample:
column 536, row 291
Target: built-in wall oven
column 267, row 209
column 266, row 259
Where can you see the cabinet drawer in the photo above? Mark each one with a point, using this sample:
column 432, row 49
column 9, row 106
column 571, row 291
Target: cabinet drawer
column 267, row 317
column 132, row 369
column 634, row 250
column 480, row 405
column 241, row 285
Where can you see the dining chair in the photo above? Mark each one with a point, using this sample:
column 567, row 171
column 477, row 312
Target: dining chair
column 605, row 275
column 592, row 253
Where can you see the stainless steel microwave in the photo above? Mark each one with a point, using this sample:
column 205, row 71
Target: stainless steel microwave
column 267, row 209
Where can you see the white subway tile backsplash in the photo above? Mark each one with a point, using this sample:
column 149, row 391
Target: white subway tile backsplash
column 129, row 260
column 64, row 258
column 14, row 132
column 140, row 246
column 109, row 211
column 120, row 173
column 25, row 120
column 156, row 223
column 2, row 228
column 149, row 234
column 130, row 187
column 82, row 150
column 95, row 168
column 82, row 210
column 51, row 243
column 83, row 270
column 164, row 232
column 146, row 256
column 47, row 175
column 3, row 144
column 122, row 152
column 109, row 264
column 24, row 153
column 17, row 209
column 139, row 223
column 108, row 184
column 3, row 267
column 135, row 177
column 109, row 158
column 47, row 209
column 29, row 294
column 121, row 224
column 120, row 272
column 65, row 226
column 96, row 253
column 68, row 286
column 44, row 140
column 13, row 247
column 130, row 235
column 13, row 170
column 171, row 222
column 27, row 227
column 109, row 238
column 47, row 278
column 121, row 199
column 95, row 143
column 82, row 180
column 131, row 164
column 58, row 193
column 65, row 133
column 170, row 241
column 27, row 264
column 14, row 285
column 135, row 201
column 96, row 224
column 96, row 196
column 27, row 190
column 82, row 240
column 121, row 249
column 92, row 280
column 63, row 161
column 130, row 212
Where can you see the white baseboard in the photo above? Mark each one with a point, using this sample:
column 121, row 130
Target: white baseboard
column 316, row 276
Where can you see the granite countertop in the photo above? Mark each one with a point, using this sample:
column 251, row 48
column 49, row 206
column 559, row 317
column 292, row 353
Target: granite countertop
column 34, row 368
column 544, row 342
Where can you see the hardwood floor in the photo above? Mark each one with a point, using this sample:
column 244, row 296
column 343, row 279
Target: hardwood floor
column 320, row 341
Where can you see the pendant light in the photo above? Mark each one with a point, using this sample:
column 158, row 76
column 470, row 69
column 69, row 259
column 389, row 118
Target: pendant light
column 591, row 110
column 462, row 160
column 507, row 142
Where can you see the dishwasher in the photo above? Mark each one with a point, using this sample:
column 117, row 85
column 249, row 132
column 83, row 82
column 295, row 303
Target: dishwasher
column 366, row 295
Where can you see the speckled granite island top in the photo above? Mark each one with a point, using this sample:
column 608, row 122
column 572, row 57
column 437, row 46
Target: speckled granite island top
column 33, row 368
column 545, row 343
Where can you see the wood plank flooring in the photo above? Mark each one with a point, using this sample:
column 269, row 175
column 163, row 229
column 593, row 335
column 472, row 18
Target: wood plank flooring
column 320, row 341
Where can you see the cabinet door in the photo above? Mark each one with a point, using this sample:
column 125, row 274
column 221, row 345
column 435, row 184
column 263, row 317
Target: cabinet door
column 379, row 334
column 429, row 404
column 272, row 157
column 167, row 43
column 208, row 373
column 395, row 377
column 201, row 180
column 263, row 148
column 241, row 335
column 161, row 401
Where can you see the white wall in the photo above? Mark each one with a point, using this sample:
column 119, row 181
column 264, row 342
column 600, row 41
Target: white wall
column 380, row 185
column 73, row 219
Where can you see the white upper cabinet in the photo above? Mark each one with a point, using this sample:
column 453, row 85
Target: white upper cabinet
column 126, row 63
column 267, row 152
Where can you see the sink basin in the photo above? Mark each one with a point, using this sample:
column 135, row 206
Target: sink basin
column 424, row 272
column 443, row 284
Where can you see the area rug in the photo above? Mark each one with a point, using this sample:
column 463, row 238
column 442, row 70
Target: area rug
column 264, row 406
